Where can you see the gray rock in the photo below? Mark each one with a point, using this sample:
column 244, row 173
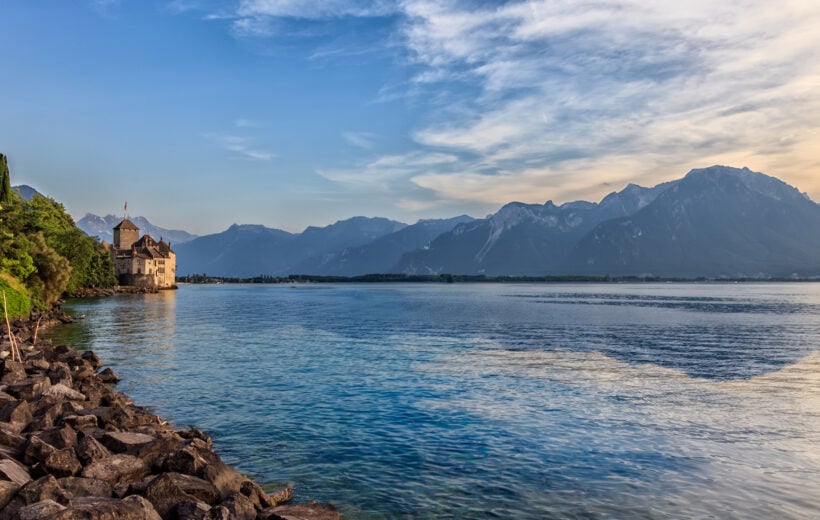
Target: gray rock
column 86, row 487
column 12, row 439
column 169, row 490
column 108, row 376
column 240, row 507
column 44, row 488
column 13, row 471
column 63, row 463
column 130, row 508
column 92, row 359
column 126, row 442
column 8, row 490
column 80, row 422
column 311, row 511
column 37, row 450
column 17, row 414
column 192, row 510
column 39, row 510
column 117, row 469
column 89, row 449
column 218, row 513
column 61, row 391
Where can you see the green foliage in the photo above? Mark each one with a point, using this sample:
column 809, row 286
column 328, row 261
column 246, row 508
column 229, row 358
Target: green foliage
column 53, row 272
column 5, row 181
column 41, row 247
column 17, row 298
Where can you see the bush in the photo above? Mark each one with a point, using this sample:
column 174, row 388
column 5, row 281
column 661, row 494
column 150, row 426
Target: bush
column 17, row 298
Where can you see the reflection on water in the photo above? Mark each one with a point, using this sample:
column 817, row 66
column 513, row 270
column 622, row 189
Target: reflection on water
column 491, row 401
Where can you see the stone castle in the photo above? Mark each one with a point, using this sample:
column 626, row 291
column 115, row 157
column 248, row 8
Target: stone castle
column 142, row 262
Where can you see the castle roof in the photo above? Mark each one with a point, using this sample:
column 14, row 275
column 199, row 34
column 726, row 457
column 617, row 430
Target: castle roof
column 126, row 224
column 147, row 247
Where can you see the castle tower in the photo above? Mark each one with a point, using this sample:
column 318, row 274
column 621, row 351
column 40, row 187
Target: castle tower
column 125, row 234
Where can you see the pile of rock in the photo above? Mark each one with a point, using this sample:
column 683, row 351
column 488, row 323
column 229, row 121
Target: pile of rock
column 71, row 447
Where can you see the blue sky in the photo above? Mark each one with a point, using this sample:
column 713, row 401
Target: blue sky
column 204, row 113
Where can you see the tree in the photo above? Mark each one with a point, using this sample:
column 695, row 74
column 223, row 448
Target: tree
column 5, row 181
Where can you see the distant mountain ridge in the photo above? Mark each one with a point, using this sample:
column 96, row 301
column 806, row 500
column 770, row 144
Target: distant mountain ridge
column 102, row 227
column 250, row 250
column 716, row 222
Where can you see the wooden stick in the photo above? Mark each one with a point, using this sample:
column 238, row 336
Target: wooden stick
column 8, row 327
column 36, row 330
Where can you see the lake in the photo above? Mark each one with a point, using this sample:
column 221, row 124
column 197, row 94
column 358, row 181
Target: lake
column 525, row 401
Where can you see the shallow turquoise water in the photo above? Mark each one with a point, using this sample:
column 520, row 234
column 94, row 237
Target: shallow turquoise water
column 517, row 401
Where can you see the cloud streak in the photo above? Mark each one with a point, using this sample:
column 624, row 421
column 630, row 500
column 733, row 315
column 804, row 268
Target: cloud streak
column 240, row 146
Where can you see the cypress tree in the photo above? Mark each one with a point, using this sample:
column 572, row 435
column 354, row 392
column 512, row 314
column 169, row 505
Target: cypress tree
column 5, row 181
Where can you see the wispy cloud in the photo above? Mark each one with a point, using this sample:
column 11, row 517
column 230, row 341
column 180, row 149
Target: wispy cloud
column 544, row 99
column 240, row 145
column 381, row 170
column 245, row 123
column 561, row 85
column 317, row 10
column 359, row 139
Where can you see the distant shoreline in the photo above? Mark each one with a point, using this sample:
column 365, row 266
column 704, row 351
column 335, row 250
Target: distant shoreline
column 451, row 278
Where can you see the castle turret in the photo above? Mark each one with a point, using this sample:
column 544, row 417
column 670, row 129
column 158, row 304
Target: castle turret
column 125, row 234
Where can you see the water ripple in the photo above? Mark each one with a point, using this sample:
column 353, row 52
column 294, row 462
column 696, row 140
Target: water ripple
column 491, row 401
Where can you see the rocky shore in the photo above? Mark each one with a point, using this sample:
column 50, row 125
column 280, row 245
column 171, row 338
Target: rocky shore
column 71, row 447
column 97, row 292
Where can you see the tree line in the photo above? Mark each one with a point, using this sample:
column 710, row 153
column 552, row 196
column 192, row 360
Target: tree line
column 43, row 254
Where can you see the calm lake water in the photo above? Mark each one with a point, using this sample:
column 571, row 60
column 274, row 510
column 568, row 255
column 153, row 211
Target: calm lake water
column 527, row 401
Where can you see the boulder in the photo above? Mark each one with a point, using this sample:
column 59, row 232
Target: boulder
column 169, row 490
column 60, row 373
column 37, row 450
column 44, row 488
column 117, row 469
column 192, row 510
column 130, row 508
column 36, row 365
column 86, row 487
column 80, row 422
column 108, row 376
column 61, row 391
column 89, row 449
column 260, row 499
column 126, row 442
column 311, row 511
column 63, row 463
column 17, row 414
column 30, row 387
column 13, row 471
column 8, row 490
column 239, row 506
column 92, row 359
column 12, row 439
column 60, row 438
column 218, row 513
column 39, row 510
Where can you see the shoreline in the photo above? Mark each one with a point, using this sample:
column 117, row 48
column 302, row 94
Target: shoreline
column 72, row 447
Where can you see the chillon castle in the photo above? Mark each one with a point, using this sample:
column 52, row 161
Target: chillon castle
column 142, row 262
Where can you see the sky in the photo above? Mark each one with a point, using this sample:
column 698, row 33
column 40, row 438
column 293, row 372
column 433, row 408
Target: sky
column 205, row 113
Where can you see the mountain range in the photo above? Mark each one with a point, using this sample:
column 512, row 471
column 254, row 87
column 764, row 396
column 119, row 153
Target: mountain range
column 715, row 222
column 102, row 227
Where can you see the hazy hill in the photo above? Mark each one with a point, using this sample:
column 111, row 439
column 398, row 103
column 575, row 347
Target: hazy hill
column 716, row 221
column 250, row 250
column 102, row 227
column 26, row 191
column 380, row 255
